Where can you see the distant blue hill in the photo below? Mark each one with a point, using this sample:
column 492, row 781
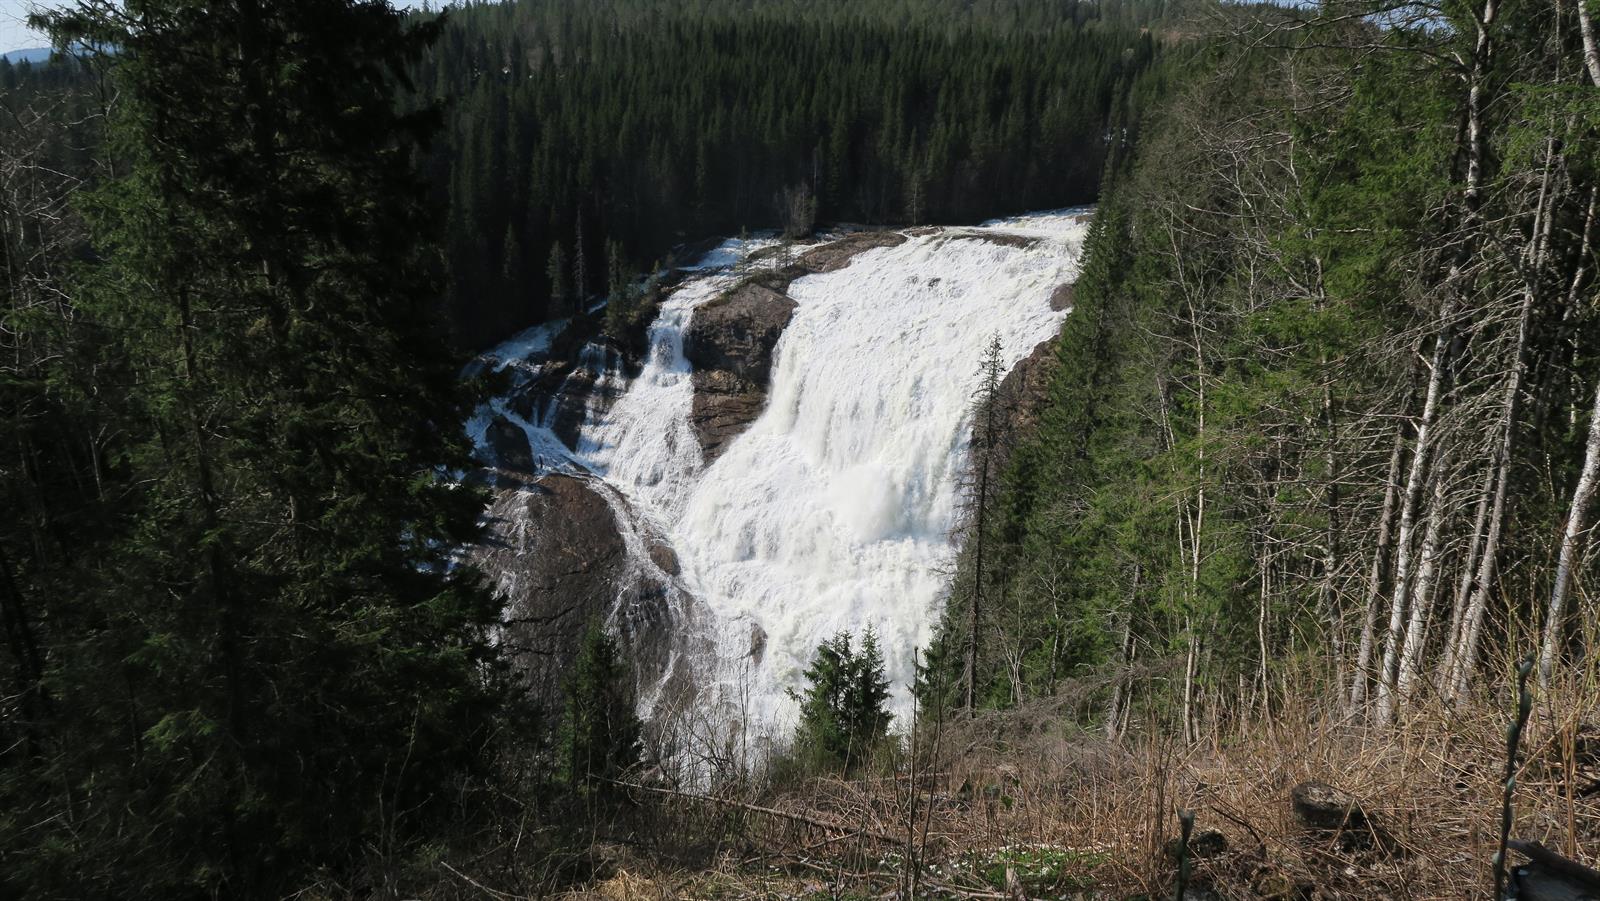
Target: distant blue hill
column 31, row 55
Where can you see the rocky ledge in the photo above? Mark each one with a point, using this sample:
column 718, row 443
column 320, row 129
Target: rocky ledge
column 729, row 343
column 555, row 555
column 730, row 340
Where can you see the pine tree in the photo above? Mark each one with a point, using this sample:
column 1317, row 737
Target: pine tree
column 296, row 660
column 844, row 712
column 599, row 737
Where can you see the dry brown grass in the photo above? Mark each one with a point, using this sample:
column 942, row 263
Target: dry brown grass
column 1103, row 811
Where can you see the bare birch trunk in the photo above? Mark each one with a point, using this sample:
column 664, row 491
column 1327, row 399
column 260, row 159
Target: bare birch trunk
column 1468, row 565
column 1457, row 290
column 1582, row 493
column 1393, row 636
column 1422, row 597
column 1380, row 556
column 1591, row 52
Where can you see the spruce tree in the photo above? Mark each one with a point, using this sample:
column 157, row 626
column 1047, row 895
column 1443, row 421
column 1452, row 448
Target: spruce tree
column 599, row 737
column 298, row 668
column 844, row 712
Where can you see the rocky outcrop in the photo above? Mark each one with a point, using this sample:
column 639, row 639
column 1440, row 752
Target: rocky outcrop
column 1063, row 296
column 1003, row 239
column 510, row 445
column 730, row 340
column 729, row 343
column 1024, row 394
column 553, row 551
column 838, row 254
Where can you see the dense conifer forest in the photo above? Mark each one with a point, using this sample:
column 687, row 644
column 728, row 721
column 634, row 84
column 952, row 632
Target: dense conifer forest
column 576, row 127
column 1312, row 472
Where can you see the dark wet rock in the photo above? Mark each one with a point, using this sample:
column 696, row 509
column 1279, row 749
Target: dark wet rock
column 510, row 445
column 551, row 549
column 836, row 255
column 571, row 408
column 665, row 557
column 737, row 331
column 1063, row 296
column 729, row 343
column 723, row 408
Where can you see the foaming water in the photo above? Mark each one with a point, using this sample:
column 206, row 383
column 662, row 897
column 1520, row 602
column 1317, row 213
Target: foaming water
column 833, row 510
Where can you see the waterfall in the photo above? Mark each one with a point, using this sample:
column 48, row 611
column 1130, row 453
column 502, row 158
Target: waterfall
column 833, row 510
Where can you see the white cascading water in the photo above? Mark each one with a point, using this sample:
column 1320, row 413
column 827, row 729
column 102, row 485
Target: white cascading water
column 832, row 511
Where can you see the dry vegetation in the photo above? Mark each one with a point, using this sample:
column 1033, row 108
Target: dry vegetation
column 1017, row 808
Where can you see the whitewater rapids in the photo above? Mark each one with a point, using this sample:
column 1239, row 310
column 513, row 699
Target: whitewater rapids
column 833, row 510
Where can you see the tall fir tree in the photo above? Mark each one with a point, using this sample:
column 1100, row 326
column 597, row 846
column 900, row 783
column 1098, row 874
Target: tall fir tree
column 599, row 739
column 295, row 660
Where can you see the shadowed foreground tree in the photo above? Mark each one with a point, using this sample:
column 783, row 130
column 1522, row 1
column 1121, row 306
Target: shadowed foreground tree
column 270, row 663
column 599, row 740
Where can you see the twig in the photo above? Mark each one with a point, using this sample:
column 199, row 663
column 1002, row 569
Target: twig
column 480, row 886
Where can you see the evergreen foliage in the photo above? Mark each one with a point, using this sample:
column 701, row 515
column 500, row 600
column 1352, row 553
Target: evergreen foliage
column 844, row 712
column 1327, row 381
column 599, row 736
column 249, row 649
column 636, row 125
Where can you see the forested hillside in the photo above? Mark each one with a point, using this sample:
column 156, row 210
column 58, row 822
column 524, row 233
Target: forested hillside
column 240, row 655
column 1325, row 406
column 579, row 131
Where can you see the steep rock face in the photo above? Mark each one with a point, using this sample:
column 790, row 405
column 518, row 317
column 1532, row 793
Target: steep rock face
column 730, row 340
column 1064, row 296
column 1024, row 393
column 556, row 556
column 1026, row 388
column 729, row 343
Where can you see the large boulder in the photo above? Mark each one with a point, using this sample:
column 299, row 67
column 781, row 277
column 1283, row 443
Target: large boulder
column 552, row 551
column 729, row 343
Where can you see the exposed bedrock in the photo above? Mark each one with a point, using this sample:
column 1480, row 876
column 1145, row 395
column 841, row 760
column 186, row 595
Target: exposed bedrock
column 729, row 343
column 730, row 340
column 553, row 551
column 838, row 254
column 1026, row 388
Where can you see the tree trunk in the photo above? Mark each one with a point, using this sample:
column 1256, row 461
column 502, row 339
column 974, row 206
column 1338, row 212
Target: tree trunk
column 1380, row 557
column 1422, row 597
column 1582, row 493
column 1591, row 52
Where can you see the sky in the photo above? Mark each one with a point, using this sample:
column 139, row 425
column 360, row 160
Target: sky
column 15, row 34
